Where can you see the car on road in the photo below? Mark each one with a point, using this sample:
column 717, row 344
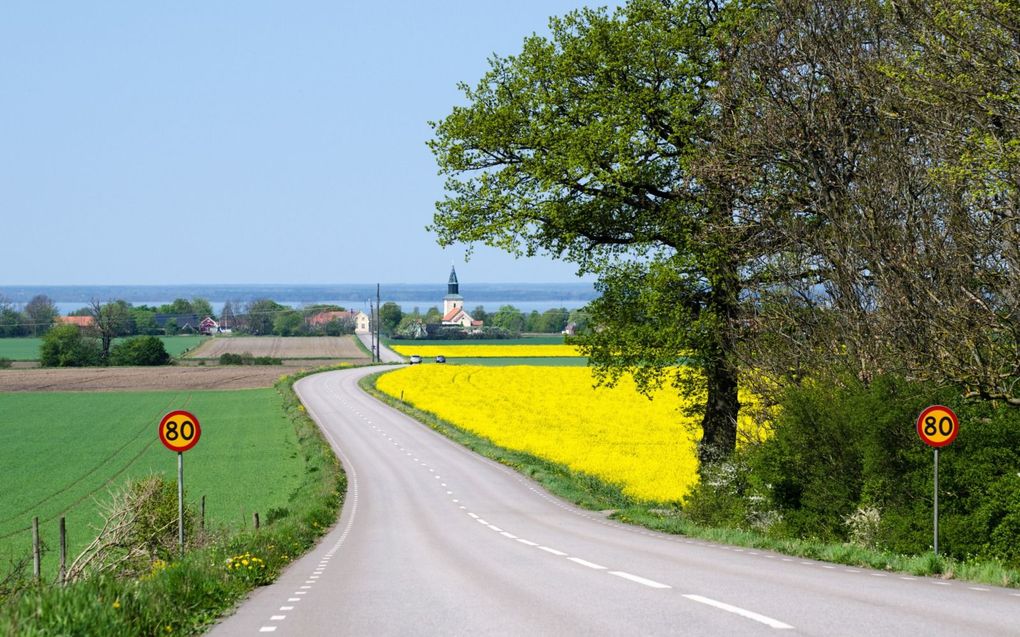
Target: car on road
column 415, row 359
column 440, row 359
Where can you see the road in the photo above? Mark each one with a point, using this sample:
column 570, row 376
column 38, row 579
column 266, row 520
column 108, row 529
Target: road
column 435, row 540
column 386, row 355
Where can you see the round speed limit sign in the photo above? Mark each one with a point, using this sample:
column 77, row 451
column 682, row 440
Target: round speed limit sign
column 937, row 426
column 179, row 431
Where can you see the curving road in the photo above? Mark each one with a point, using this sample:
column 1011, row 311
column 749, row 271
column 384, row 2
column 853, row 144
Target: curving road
column 435, row 540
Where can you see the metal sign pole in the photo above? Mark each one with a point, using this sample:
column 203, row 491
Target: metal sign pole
column 180, row 500
column 936, row 501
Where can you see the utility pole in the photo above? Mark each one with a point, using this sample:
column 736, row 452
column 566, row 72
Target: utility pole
column 378, row 321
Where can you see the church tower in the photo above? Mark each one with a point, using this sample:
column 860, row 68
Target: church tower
column 453, row 299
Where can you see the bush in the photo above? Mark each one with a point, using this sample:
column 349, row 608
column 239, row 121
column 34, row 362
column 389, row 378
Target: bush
column 5, row 362
column 845, row 464
column 231, row 359
column 66, row 346
column 140, row 350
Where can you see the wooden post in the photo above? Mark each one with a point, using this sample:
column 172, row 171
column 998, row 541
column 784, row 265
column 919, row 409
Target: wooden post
column 36, row 549
column 63, row 550
column 255, row 517
column 201, row 523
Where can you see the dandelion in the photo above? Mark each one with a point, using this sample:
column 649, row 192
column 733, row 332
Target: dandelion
column 116, row 603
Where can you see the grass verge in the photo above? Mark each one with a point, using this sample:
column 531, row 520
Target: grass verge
column 592, row 493
column 185, row 596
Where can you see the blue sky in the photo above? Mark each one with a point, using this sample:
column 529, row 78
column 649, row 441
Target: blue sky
column 271, row 142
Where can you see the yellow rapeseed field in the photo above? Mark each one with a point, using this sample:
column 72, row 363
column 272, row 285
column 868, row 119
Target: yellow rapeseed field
column 618, row 435
column 487, row 351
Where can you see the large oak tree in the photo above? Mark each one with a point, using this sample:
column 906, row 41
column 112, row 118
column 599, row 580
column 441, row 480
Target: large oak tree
column 589, row 145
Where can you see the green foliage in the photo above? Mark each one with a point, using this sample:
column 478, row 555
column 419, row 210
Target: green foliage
column 5, row 363
column 289, row 323
column 260, row 316
column 839, row 455
column 390, row 315
column 65, row 346
column 247, row 358
column 140, row 350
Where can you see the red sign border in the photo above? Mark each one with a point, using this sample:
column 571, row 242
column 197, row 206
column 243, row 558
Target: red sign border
column 947, row 441
column 179, row 412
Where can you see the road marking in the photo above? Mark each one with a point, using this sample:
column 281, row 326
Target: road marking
column 640, row 580
column 878, row 575
column 305, row 587
column 276, row 618
column 941, row 583
column 300, row 592
column 267, row 629
column 528, row 542
column 473, row 515
column 827, row 566
column 553, row 551
column 481, row 521
column 509, row 535
column 286, row 608
column 578, row 560
column 449, row 493
column 495, row 528
column 442, row 484
column 978, row 588
column 743, row 612
column 909, row 579
column 293, row 599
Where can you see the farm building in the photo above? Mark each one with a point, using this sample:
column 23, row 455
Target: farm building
column 360, row 319
column 80, row 321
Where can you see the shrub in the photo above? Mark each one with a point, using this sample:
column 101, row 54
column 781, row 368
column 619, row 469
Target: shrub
column 66, row 346
column 5, row 363
column 231, row 359
column 140, row 350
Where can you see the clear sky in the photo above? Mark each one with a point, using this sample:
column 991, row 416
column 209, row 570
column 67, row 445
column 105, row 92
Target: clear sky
column 243, row 142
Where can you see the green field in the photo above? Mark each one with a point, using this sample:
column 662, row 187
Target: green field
column 62, row 451
column 27, row 349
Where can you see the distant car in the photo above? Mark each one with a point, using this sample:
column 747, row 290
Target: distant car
column 440, row 359
column 415, row 359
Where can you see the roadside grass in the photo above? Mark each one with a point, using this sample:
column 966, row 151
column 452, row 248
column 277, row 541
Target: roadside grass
column 187, row 595
column 27, row 349
column 594, row 494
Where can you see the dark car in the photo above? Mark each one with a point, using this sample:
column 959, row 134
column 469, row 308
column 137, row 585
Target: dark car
column 440, row 359
column 415, row 359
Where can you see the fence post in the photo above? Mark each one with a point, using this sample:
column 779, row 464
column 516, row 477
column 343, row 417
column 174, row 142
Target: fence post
column 63, row 550
column 201, row 523
column 256, row 518
column 36, row 549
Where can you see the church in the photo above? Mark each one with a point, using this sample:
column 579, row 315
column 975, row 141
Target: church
column 453, row 305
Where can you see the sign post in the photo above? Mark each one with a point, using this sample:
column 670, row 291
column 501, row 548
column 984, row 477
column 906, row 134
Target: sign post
column 937, row 426
column 179, row 431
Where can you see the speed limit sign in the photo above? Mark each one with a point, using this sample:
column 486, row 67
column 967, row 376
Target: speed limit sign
column 179, row 431
column 938, row 426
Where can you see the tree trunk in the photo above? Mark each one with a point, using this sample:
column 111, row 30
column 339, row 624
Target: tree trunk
column 719, row 425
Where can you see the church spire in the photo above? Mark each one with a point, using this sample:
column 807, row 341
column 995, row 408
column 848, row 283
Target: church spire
column 452, row 287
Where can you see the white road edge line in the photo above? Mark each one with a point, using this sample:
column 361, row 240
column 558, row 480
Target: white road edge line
column 743, row 612
column 640, row 580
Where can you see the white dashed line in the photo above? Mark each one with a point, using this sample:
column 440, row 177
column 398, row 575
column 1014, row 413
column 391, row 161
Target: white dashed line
column 578, row 560
column 640, row 580
column 276, row 618
column 978, row 588
column 267, row 629
column 286, row 608
column 553, row 551
column 736, row 610
column 527, row 542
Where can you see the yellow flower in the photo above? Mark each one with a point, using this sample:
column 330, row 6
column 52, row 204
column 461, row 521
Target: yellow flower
column 488, row 351
column 648, row 447
column 116, row 603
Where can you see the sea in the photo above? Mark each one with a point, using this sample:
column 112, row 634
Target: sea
column 526, row 297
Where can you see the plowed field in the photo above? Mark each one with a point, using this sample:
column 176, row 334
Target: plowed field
column 279, row 347
column 142, row 378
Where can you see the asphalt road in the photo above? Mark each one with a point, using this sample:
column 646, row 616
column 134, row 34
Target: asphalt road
column 435, row 540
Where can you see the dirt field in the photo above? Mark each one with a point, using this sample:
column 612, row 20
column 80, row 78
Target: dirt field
column 143, row 378
column 325, row 347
